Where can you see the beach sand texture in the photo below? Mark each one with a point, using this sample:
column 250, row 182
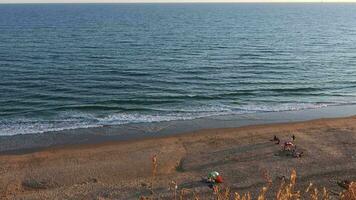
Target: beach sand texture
column 123, row 170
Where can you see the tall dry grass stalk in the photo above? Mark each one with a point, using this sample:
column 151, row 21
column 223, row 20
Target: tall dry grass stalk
column 246, row 196
column 325, row 194
column 154, row 165
column 350, row 193
column 173, row 186
column 286, row 190
column 267, row 177
column 221, row 193
column 154, row 171
column 262, row 195
column 183, row 193
column 195, row 196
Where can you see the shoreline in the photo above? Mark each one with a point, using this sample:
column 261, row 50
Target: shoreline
column 26, row 143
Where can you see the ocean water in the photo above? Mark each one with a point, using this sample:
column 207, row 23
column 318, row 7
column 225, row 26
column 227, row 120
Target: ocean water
column 91, row 65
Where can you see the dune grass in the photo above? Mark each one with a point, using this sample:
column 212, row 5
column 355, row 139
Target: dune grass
column 286, row 190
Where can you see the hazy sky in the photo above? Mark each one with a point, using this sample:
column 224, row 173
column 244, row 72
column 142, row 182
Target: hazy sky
column 159, row 1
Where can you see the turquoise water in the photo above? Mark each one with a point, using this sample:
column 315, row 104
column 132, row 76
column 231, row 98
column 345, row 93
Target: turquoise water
column 90, row 65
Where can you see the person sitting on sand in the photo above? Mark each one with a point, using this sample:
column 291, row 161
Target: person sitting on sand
column 276, row 139
column 297, row 154
column 288, row 146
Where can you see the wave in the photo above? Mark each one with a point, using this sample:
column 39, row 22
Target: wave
column 74, row 120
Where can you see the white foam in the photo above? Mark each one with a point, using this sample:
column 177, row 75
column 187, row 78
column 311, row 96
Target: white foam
column 75, row 120
column 282, row 107
column 41, row 127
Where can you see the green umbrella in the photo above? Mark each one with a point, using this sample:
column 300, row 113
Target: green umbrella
column 213, row 174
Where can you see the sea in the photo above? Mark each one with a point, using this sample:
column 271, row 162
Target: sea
column 71, row 66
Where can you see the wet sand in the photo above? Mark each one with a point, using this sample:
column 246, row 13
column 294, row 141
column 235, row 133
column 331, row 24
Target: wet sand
column 123, row 169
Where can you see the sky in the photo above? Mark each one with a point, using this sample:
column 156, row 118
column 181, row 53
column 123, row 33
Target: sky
column 161, row 1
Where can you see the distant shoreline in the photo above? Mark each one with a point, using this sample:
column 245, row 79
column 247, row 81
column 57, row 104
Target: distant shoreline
column 256, row 2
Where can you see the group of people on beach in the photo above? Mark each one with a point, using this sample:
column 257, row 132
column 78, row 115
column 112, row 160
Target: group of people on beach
column 289, row 146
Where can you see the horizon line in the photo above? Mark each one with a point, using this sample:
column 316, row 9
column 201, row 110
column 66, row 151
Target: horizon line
column 194, row 2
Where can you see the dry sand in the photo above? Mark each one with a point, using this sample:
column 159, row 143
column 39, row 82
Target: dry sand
column 123, row 170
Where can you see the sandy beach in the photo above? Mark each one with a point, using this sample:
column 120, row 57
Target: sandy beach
column 146, row 99
column 123, row 169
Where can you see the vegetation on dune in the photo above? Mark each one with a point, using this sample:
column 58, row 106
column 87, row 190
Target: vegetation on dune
column 350, row 193
column 286, row 190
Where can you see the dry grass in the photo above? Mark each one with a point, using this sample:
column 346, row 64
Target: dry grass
column 154, row 171
column 286, row 190
column 350, row 193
